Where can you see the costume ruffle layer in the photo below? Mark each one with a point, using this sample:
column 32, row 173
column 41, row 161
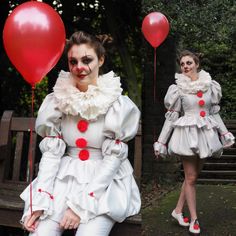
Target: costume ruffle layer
column 90, row 104
column 84, row 171
column 207, row 122
column 120, row 200
column 75, row 176
column 194, row 141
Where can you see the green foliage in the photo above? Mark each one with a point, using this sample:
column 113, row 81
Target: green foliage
column 26, row 96
column 17, row 94
column 91, row 16
column 206, row 27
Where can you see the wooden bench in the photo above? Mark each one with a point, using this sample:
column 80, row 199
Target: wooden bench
column 14, row 175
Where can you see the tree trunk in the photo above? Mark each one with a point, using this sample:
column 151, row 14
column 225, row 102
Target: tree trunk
column 119, row 36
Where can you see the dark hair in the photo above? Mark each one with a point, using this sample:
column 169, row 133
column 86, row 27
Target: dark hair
column 96, row 42
column 195, row 56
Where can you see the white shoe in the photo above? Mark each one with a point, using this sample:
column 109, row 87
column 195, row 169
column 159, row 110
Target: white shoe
column 194, row 227
column 183, row 221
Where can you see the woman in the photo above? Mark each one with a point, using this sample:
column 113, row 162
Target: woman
column 85, row 179
column 193, row 129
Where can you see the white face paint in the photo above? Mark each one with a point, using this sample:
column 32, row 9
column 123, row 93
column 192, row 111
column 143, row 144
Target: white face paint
column 84, row 65
column 189, row 67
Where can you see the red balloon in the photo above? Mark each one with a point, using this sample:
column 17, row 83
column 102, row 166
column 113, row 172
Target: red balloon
column 34, row 39
column 155, row 28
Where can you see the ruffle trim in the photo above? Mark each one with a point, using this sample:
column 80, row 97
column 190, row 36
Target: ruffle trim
column 199, row 122
column 188, row 86
column 160, row 148
column 124, row 193
column 227, row 139
column 40, row 200
column 90, row 104
column 84, row 171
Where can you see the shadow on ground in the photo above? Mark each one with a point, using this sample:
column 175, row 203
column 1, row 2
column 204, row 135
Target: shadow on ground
column 216, row 205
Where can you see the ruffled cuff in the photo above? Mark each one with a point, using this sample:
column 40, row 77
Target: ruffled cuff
column 215, row 109
column 53, row 146
column 41, row 200
column 160, row 149
column 172, row 115
column 227, row 139
column 115, row 148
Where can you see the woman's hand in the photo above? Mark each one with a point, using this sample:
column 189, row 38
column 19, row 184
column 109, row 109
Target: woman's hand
column 157, row 154
column 70, row 220
column 31, row 222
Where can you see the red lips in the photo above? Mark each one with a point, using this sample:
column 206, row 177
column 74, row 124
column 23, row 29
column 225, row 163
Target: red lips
column 81, row 76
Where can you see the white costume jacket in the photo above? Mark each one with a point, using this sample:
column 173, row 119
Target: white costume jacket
column 193, row 126
column 84, row 163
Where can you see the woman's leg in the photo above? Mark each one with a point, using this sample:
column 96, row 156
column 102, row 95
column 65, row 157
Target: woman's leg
column 181, row 201
column 47, row 227
column 99, row 226
column 180, row 204
column 192, row 167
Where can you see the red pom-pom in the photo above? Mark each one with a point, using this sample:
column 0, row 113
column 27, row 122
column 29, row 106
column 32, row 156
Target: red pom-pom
column 196, row 227
column 117, row 141
column 82, row 125
column 81, row 142
column 186, row 219
column 51, row 197
column 201, row 102
column 199, row 94
column 91, row 194
column 40, row 190
column 202, row 113
column 84, row 155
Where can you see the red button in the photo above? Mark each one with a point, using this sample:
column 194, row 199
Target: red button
column 201, row 103
column 82, row 125
column 199, row 94
column 84, row 155
column 81, row 142
column 202, row 113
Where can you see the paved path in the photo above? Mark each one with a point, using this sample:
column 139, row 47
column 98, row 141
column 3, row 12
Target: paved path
column 216, row 206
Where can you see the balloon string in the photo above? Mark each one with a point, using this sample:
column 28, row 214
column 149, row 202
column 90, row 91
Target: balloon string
column 31, row 149
column 154, row 78
column 154, row 91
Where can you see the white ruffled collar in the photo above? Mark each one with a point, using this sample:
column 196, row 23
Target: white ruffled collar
column 90, row 104
column 188, row 86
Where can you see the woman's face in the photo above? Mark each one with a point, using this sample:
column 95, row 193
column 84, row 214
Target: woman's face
column 188, row 66
column 84, row 65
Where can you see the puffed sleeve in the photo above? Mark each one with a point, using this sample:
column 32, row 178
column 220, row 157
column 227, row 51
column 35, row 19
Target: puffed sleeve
column 173, row 105
column 52, row 147
column 226, row 137
column 121, row 125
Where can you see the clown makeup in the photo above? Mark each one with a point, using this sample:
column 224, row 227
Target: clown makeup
column 84, row 65
column 189, row 67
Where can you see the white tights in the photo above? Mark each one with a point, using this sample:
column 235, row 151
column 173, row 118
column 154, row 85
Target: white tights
column 99, row 226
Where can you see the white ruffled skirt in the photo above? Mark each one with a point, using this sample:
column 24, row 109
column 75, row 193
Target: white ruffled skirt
column 195, row 136
column 119, row 200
